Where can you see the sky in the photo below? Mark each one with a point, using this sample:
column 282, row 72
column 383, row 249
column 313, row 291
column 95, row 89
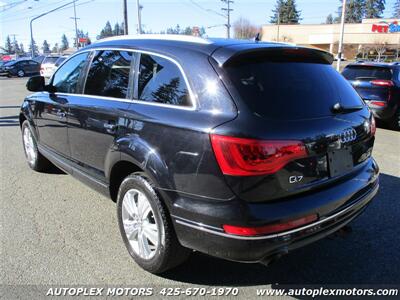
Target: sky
column 157, row 15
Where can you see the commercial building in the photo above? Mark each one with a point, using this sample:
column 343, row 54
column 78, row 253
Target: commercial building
column 369, row 39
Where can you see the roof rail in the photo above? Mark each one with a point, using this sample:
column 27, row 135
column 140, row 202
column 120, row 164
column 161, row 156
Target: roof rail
column 165, row 37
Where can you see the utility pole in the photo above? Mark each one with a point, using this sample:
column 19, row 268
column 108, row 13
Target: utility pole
column 125, row 17
column 139, row 17
column 279, row 23
column 340, row 50
column 228, row 10
column 76, row 27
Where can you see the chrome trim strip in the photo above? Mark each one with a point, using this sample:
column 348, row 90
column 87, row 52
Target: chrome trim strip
column 186, row 221
column 192, row 96
column 206, row 228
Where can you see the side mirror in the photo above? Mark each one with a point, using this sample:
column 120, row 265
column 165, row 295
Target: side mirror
column 36, row 84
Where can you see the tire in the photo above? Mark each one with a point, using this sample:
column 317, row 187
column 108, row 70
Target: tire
column 395, row 123
column 165, row 252
column 21, row 73
column 35, row 159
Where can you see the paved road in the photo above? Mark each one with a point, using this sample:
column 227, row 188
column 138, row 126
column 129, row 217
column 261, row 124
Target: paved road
column 54, row 230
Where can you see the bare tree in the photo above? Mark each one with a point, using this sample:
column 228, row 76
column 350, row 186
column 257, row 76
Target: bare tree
column 244, row 29
column 380, row 47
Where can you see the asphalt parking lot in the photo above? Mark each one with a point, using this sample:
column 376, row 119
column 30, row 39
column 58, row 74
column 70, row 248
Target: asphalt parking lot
column 56, row 231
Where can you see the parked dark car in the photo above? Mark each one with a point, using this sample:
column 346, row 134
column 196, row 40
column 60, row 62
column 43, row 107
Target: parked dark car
column 379, row 85
column 20, row 68
column 238, row 149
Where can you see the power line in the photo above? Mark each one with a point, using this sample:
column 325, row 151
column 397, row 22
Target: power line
column 206, row 9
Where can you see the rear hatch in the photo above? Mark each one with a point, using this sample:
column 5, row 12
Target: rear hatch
column 301, row 125
column 373, row 83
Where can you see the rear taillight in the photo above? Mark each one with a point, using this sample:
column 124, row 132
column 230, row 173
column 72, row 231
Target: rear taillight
column 381, row 82
column 268, row 229
column 373, row 125
column 378, row 103
column 248, row 157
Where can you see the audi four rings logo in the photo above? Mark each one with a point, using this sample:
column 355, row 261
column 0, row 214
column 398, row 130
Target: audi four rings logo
column 348, row 135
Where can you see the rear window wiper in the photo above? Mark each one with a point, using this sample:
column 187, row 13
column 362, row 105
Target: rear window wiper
column 337, row 108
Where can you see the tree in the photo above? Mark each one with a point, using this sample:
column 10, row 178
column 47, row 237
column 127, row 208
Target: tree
column 285, row 12
column 22, row 49
column 64, row 43
column 374, row 8
column 35, row 48
column 354, row 11
column 329, row 19
column 176, row 30
column 243, row 29
column 46, row 47
column 118, row 29
column 8, row 46
column 55, row 49
column 16, row 48
column 380, row 47
column 106, row 31
column 396, row 9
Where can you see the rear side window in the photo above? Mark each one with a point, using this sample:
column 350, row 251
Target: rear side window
column 290, row 90
column 161, row 81
column 366, row 73
column 109, row 74
column 50, row 60
column 66, row 79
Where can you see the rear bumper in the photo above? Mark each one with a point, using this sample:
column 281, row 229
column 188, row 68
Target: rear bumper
column 201, row 228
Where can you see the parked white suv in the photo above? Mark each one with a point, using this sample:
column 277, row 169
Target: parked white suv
column 48, row 66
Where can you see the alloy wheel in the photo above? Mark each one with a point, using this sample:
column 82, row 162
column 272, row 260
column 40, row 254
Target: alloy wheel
column 140, row 224
column 29, row 146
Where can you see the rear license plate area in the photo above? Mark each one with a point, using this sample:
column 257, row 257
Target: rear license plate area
column 340, row 161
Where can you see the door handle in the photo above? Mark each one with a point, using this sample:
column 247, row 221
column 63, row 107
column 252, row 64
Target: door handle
column 60, row 114
column 109, row 126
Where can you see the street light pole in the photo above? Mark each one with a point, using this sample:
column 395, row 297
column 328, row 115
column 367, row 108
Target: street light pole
column 340, row 50
column 139, row 17
column 39, row 16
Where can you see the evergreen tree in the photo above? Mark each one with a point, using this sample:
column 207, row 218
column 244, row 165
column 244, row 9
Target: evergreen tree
column 374, row 8
column 22, row 49
column 8, row 46
column 64, row 43
column 187, row 31
column 292, row 15
column 285, row 12
column 55, row 49
column 329, row 19
column 396, row 9
column 118, row 29
column 35, row 48
column 16, row 48
column 106, row 31
column 46, row 47
column 354, row 11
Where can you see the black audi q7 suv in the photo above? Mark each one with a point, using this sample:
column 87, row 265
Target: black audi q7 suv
column 241, row 150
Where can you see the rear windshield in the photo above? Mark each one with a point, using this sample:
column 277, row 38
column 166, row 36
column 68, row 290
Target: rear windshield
column 366, row 73
column 59, row 61
column 291, row 90
column 50, row 60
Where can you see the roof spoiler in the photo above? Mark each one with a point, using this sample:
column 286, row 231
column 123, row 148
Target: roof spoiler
column 275, row 53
